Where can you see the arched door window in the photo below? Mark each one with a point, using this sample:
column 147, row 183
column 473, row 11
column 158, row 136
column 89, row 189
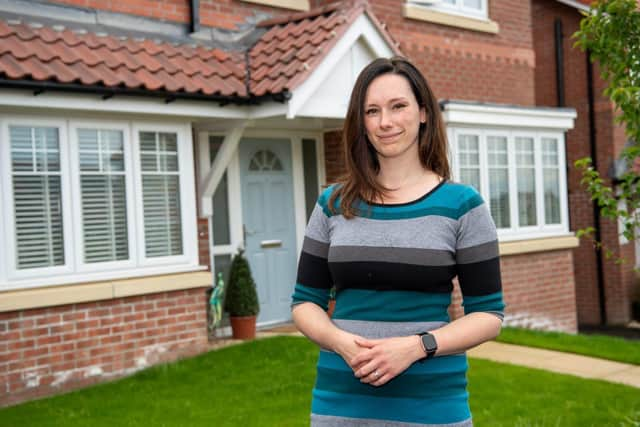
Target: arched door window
column 265, row 161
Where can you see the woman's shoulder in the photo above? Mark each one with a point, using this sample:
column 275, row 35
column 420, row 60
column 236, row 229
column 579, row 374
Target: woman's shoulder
column 325, row 198
column 462, row 197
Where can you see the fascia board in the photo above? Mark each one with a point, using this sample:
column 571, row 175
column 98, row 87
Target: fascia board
column 119, row 104
column 462, row 114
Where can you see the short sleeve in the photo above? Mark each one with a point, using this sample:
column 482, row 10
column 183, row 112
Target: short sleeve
column 478, row 258
column 314, row 281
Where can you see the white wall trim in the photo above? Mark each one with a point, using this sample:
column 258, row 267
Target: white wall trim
column 507, row 116
column 214, row 175
column 298, row 190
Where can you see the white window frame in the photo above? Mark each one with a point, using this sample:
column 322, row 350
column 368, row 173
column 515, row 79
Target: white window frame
column 515, row 231
column 187, row 194
column 457, row 9
column 13, row 273
column 74, row 126
column 75, row 270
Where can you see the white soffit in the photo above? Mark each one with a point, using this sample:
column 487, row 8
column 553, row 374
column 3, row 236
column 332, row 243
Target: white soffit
column 55, row 100
column 326, row 92
column 508, row 116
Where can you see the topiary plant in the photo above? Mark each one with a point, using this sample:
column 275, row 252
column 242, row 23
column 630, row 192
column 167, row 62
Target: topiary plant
column 241, row 296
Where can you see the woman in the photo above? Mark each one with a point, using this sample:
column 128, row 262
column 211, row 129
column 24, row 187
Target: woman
column 390, row 237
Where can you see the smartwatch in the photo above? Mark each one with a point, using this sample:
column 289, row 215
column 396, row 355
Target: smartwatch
column 429, row 344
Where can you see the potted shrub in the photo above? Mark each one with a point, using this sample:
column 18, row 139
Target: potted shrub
column 241, row 299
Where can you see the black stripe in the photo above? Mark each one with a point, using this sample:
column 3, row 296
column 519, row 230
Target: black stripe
column 480, row 278
column 313, row 271
column 392, row 276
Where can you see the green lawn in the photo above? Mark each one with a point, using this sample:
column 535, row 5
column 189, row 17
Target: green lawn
column 605, row 347
column 268, row 383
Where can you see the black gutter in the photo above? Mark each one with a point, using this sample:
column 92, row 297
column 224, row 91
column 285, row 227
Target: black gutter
column 559, row 62
column 596, row 208
column 194, row 25
column 39, row 87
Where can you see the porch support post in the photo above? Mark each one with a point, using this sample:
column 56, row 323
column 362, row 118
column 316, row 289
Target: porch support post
column 211, row 180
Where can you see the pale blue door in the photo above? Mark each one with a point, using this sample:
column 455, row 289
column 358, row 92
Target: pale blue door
column 269, row 223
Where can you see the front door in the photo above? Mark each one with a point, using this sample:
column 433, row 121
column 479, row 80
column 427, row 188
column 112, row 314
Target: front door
column 269, row 223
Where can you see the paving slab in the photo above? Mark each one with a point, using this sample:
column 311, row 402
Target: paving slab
column 555, row 361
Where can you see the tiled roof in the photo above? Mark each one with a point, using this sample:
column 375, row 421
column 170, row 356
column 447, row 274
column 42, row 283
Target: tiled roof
column 295, row 44
column 64, row 56
column 283, row 57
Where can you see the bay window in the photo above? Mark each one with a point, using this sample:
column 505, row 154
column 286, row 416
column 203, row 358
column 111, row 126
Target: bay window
column 520, row 175
column 86, row 201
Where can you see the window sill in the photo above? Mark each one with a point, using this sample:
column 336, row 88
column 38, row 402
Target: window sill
column 99, row 291
column 302, row 5
column 452, row 20
column 539, row 245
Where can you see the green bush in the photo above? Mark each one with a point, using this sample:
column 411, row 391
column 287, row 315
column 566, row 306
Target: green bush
column 241, row 298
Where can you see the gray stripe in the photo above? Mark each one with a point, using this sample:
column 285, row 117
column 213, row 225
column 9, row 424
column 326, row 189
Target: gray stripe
column 427, row 232
column 478, row 253
column 317, row 228
column 376, row 330
column 476, row 227
column 431, row 257
column 331, row 421
column 315, row 247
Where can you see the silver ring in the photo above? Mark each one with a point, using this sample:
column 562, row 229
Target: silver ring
column 376, row 374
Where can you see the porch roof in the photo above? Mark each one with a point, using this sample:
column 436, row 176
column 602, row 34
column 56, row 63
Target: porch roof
column 286, row 52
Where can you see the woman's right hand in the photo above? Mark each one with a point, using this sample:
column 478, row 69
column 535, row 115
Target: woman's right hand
column 347, row 347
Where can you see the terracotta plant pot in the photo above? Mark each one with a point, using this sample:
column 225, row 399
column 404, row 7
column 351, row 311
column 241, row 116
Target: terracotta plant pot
column 332, row 307
column 244, row 327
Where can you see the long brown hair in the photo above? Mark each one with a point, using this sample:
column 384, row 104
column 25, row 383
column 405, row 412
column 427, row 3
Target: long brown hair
column 361, row 161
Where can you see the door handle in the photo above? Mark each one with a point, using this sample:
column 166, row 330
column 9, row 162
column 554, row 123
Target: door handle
column 271, row 244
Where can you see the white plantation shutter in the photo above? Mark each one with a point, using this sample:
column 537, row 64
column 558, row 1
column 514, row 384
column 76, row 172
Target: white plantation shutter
column 103, row 194
column 37, row 195
column 161, row 194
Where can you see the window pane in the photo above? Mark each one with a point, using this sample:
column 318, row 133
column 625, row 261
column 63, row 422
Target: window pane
column 161, row 198
column 525, row 171
column 310, row 174
column 221, row 230
column 551, row 176
column 103, row 193
column 37, row 191
column 469, row 160
column 473, row 4
column 499, row 181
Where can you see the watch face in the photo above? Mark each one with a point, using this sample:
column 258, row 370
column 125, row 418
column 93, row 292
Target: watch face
column 429, row 342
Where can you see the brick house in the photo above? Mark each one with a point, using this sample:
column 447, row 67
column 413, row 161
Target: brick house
column 142, row 142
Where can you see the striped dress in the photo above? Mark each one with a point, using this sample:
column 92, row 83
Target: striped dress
column 392, row 267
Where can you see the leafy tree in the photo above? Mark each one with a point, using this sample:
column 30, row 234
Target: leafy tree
column 610, row 32
column 241, row 295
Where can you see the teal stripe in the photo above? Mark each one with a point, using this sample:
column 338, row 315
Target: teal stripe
column 463, row 199
column 450, row 409
column 414, row 386
column 452, row 364
column 408, row 212
column 492, row 302
column 392, row 306
column 317, row 296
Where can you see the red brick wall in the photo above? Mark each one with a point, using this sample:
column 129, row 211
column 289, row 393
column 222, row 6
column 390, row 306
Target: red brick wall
column 618, row 279
column 226, row 14
column 538, row 290
column 48, row 350
column 466, row 64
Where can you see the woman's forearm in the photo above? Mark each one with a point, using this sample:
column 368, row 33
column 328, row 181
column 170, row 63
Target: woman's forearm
column 313, row 322
column 466, row 332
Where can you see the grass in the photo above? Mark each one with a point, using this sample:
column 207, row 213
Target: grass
column 605, row 347
column 268, row 383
